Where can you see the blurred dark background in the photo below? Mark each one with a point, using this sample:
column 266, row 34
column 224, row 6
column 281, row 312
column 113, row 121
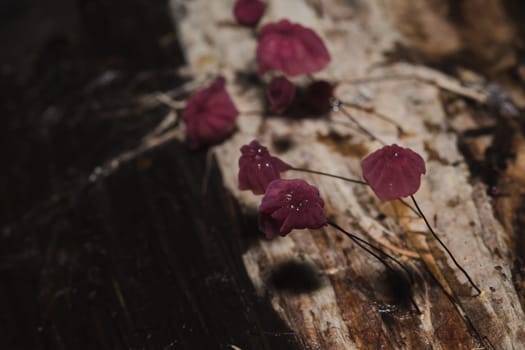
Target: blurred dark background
column 67, row 67
column 140, row 259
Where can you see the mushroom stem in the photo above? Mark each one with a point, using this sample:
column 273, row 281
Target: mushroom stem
column 338, row 105
column 444, row 246
column 402, row 201
column 379, row 115
column 361, row 182
column 370, row 248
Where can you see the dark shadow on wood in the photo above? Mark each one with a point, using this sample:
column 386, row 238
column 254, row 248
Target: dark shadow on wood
column 140, row 259
column 296, row 277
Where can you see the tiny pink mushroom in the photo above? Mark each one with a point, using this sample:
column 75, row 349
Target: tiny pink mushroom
column 393, row 172
column 280, row 93
column 210, row 115
column 248, row 12
column 257, row 168
column 290, row 48
column 288, row 205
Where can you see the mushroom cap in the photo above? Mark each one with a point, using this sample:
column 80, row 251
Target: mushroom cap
column 317, row 97
column 288, row 205
column 257, row 168
column 290, row 48
column 248, row 12
column 393, row 172
column 209, row 115
column 280, row 93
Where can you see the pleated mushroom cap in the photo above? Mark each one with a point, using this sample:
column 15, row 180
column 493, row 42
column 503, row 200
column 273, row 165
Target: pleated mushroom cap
column 288, row 205
column 393, row 172
column 248, row 12
column 257, row 168
column 210, row 115
column 280, row 93
column 317, row 97
column 290, row 48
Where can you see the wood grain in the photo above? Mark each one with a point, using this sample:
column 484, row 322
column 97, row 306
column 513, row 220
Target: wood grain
column 353, row 305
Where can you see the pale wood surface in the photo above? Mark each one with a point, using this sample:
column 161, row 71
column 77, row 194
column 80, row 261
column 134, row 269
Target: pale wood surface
column 353, row 308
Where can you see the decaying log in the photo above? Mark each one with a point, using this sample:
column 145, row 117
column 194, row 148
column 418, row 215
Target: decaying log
column 348, row 301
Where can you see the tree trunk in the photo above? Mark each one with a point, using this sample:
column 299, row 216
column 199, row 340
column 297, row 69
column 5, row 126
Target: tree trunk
column 329, row 292
column 113, row 235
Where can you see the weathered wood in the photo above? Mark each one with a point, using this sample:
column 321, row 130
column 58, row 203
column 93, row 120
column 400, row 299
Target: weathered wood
column 352, row 305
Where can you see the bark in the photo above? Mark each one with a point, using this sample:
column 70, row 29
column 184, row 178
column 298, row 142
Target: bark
column 329, row 292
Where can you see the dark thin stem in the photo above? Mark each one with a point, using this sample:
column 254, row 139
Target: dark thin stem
column 364, row 245
column 377, row 114
column 364, row 80
column 420, row 79
column 445, row 247
column 452, row 298
column 359, row 241
column 361, row 127
column 331, row 175
column 409, row 206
